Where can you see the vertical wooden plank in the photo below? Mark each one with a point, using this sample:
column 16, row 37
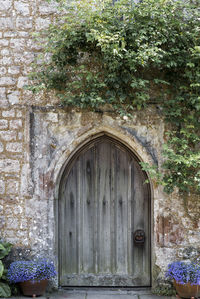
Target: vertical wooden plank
column 121, row 177
column 88, row 202
column 96, row 210
column 62, row 247
column 79, row 222
column 140, row 209
column 104, row 222
column 147, row 229
column 113, row 196
column 69, row 223
column 130, row 215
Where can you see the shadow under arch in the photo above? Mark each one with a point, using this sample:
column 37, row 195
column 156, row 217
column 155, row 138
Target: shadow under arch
column 64, row 173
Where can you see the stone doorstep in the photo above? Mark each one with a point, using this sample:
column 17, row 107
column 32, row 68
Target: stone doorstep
column 100, row 294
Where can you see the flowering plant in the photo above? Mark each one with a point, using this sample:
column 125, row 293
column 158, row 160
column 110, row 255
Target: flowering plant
column 184, row 272
column 20, row 271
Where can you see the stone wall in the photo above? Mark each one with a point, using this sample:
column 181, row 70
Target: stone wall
column 37, row 138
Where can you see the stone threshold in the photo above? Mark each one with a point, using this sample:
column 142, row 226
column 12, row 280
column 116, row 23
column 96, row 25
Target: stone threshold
column 100, row 293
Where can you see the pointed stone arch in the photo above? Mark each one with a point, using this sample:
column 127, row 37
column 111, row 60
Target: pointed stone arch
column 67, row 151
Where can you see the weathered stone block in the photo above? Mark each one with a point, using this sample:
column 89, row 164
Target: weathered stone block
column 23, row 34
column 8, row 135
column 3, row 124
column 8, row 113
column 12, row 223
column 5, row 81
column 5, row 52
column 2, row 187
column 34, row 45
column 3, row 103
column 53, row 117
column 2, row 70
column 9, row 165
column 6, row 61
column 42, row 23
column 22, row 81
column 15, row 124
column 10, row 34
column 13, row 97
column 19, row 113
column 6, row 23
column 5, row 5
column 2, row 92
column 48, row 8
column 24, row 23
column 14, row 147
column 22, row 8
column 26, row 59
column 14, row 70
column 4, row 42
column 12, row 187
column 17, row 44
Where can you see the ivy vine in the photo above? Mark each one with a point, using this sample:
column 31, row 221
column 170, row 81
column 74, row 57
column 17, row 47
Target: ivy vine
column 127, row 56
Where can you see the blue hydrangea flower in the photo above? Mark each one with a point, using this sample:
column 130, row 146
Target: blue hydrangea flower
column 20, row 271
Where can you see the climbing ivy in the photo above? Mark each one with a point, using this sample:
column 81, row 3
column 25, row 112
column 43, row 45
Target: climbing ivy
column 127, row 56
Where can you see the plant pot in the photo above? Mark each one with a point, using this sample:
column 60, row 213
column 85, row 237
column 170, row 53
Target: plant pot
column 33, row 288
column 187, row 290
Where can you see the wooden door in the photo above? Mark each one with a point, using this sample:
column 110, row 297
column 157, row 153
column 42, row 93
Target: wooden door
column 103, row 201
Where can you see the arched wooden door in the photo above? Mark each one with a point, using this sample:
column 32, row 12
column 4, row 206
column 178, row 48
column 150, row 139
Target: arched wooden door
column 103, row 201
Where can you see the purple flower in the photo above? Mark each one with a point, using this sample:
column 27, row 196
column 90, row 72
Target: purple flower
column 184, row 272
column 20, row 271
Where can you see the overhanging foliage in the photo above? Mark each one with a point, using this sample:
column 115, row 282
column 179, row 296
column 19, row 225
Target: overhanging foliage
column 127, row 56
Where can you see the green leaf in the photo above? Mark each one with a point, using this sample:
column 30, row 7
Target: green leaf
column 4, row 249
column 1, row 269
column 5, row 290
column 8, row 246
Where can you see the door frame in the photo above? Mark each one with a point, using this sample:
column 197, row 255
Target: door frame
column 66, row 166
